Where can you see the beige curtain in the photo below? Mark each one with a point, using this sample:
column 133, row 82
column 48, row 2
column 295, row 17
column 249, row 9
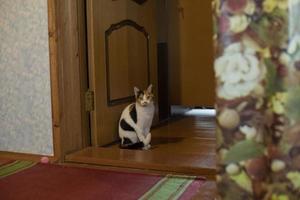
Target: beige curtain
column 257, row 68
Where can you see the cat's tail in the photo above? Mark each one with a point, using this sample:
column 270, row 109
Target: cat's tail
column 138, row 145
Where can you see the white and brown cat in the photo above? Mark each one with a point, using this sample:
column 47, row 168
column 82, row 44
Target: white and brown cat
column 136, row 121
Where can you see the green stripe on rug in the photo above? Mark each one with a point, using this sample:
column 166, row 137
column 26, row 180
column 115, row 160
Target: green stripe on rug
column 170, row 187
column 15, row 167
column 8, row 164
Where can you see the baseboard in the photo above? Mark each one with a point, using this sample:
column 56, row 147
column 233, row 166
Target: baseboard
column 25, row 156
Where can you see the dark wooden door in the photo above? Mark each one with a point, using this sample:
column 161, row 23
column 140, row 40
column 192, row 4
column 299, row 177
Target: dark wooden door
column 122, row 54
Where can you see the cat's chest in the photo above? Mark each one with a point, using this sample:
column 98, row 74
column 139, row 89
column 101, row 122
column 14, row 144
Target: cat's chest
column 145, row 115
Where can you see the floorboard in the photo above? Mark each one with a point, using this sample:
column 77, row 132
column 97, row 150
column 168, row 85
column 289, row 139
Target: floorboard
column 185, row 145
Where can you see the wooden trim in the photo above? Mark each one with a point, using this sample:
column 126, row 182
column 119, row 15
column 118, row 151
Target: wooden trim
column 93, row 156
column 54, row 78
column 69, row 79
column 84, row 76
column 91, row 60
column 208, row 178
column 25, row 156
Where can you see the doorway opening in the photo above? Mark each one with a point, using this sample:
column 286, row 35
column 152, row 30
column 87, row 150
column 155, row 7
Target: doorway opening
column 167, row 43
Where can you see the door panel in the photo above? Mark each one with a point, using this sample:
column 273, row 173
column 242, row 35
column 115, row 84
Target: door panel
column 127, row 62
column 197, row 74
column 118, row 63
column 192, row 81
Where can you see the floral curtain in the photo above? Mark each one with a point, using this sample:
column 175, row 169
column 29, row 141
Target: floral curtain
column 257, row 68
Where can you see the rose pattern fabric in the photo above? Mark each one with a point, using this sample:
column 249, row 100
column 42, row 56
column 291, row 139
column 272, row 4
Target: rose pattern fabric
column 257, row 68
column 239, row 71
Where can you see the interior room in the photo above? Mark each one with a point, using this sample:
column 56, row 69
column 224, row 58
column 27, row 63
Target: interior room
column 160, row 45
column 149, row 99
column 77, row 73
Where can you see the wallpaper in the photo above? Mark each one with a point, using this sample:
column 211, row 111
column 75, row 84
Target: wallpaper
column 25, row 107
column 257, row 68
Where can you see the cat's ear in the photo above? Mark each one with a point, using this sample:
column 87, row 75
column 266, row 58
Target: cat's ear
column 149, row 89
column 136, row 92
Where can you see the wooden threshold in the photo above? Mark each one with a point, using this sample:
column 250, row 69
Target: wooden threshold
column 146, row 160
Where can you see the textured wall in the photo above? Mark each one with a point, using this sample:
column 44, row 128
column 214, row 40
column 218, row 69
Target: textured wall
column 25, row 107
column 257, row 69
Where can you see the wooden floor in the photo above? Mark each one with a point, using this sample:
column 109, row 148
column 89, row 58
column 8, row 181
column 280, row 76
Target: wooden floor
column 185, row 145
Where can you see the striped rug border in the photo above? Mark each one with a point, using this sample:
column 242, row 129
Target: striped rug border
column 14, row 167
column 170, row 187
column 5, row 162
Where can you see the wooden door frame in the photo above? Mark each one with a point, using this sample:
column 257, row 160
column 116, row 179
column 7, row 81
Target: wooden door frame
column 69, row 76
column 67, row 23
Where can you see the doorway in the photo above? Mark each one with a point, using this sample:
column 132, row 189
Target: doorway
column 167, row 43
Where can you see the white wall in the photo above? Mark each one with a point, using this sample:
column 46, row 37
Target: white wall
column 25, row 101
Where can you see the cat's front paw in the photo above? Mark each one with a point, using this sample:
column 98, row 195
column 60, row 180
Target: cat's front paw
column 147, row 139
column 147, row 147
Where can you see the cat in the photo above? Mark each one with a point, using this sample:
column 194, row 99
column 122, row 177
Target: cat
column 136, row 121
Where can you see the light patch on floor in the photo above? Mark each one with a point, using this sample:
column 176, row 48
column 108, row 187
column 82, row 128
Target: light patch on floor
column 201, row 112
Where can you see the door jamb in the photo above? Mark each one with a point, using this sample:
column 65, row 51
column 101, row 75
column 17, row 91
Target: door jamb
column 68, row 75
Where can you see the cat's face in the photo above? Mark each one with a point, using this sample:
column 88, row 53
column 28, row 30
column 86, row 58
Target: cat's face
column 144, row 98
